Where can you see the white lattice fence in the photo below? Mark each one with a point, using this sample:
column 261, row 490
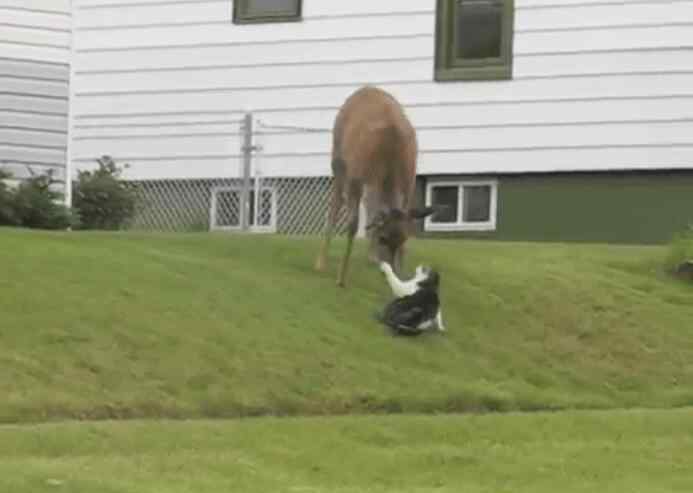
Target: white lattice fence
column 295, row 205
column 292, row 206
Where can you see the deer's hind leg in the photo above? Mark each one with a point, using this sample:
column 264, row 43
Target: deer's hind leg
column 335, row 206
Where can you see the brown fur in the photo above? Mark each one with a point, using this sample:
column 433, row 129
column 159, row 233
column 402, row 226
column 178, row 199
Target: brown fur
column 374, row 153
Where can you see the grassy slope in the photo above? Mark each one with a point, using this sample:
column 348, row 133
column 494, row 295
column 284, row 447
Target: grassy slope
column 568, row 452
column 108, row 325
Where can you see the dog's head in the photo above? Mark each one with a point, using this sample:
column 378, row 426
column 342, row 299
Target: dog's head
column 427, row 277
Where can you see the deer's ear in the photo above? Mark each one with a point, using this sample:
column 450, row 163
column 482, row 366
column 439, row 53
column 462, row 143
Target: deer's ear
column 421, row 212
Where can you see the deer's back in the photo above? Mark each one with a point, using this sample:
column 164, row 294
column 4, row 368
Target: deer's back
column 375, row 139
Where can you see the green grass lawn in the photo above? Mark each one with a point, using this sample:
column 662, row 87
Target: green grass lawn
column 586, row 452
column 96, row 325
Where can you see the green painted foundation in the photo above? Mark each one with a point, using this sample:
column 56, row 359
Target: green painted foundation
column 625, row 207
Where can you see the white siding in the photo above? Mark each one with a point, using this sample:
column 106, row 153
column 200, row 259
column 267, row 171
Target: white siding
column 598, row 84
column 34, row 84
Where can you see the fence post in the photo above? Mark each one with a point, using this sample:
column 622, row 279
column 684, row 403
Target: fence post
column 247, row 151
column 361, row 233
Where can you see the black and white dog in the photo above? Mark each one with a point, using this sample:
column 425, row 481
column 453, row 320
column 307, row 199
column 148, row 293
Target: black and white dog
column 416, row 307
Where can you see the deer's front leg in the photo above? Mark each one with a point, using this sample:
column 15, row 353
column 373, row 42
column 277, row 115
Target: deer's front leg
column 352, row 228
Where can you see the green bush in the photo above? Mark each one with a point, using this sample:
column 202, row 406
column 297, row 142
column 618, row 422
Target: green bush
column 7, row 216
column 35, row 205
column 103, row 201
column 680, row 248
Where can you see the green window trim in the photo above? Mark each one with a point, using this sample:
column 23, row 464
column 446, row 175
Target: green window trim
column 449, row 67
column 242, row 14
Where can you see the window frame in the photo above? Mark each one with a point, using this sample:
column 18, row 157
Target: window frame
column 446, row 69
column 241, row 16
column 460, row 224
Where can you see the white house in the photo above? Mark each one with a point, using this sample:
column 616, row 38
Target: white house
column 34, row 75
column 537, row 119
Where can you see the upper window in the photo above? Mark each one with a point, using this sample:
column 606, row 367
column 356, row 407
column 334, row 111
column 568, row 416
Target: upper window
column 474, row 39
column 255, row 11
column 469, row 206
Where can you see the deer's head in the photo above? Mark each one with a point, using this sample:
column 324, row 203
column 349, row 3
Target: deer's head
column 392, row 227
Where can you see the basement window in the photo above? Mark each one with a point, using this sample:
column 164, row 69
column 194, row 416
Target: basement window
column 469, row 205
column 225, row 209
column 261, row 11
column 474, row 39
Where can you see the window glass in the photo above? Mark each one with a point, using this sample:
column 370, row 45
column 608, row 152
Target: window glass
column 261, row 8
column 478, row 29
column 477, row 204
column 447, row 196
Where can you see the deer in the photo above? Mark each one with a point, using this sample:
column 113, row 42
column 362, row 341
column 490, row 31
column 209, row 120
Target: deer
column 374, row 157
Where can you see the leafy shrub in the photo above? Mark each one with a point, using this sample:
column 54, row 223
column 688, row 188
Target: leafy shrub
column 7, row 217
column 680, row 248
column 103, row 201
column 35, row 205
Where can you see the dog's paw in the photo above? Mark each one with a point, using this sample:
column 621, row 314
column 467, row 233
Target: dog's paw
column 384, row 266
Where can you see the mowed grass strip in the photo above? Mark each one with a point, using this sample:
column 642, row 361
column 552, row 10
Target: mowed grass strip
column 571, row 452
column 101, row 325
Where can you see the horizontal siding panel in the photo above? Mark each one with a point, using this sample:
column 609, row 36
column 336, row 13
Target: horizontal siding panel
column 292, row 57
column 611, row 14
column 336, row 27
column 490, row 138
column 232, row 100
column 627, row 38
column 134, row 16
column 320, row 51
column 496, row 116
column 310, row 9
column 187, row 168
column 371, row 27
column 12, row 34
column 510, row 114
column 17, row 119
column 448, row 139
column 354, row 6
column 31, row 155
column 382, row 70
column 17, row 51
column 163, row 120
column 58, row 6
column 34, row 87
column 570, row 4
column 134, row 132
column 514, row 161
column 36, row 19
column 442, row 113
column 27, row 103
column 31, row 138
column 21, row 68
column 154, row 14
column 153, row 148
column 548, row 160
